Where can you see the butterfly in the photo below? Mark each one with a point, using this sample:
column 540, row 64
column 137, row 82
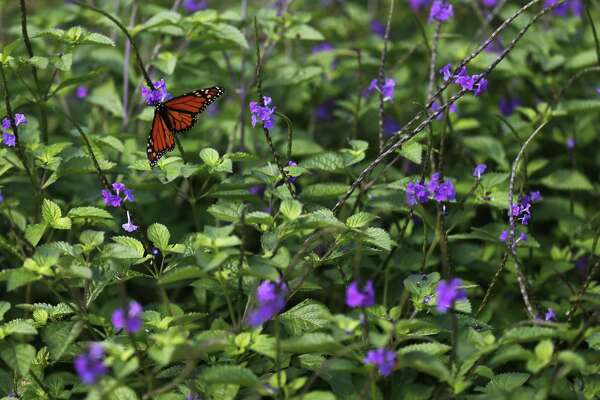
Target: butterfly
column 177, row 115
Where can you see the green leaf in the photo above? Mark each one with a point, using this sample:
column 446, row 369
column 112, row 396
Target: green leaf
column 379, row 238
column 159, row 235
column 106, row 97
column 435, row 349
column 425, row 363
column 311, row 343
column 412, row 151
column 292, row 209
column 329, row 161
column 259, row 217
column 4, row 307
column 489, row 147
column 20, row 327
column 307, row 316
column 34, row 232
column 166, row 62
column 127, row 247
column 18, row 356
column 50, row 211
column 123, row 393
column 567, row 180
column 527, row 334
column 98, row 38
column 210, row 157
column 226, row 211
column 303, row 32
column 181, row 274
column 19, row 277
column 360, row 220
column 58, row 336
column 89, row 212
column 319, row 395
column 323, row 191
column 226, row 32
column 507, row 382
column 230, row 374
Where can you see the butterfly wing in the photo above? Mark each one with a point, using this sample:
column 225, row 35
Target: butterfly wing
column 183, row 110
column 160, row 139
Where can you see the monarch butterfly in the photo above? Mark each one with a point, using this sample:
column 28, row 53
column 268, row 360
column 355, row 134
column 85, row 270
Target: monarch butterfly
column 174, row 116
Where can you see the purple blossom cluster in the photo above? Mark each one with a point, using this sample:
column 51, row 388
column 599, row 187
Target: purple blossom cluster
column 157, row 95
column 387, row 88
column 479, row 171
column 324, row 111
column 128, row 318
column 522, row 209
column 441, row 11
column 360, row 297
column 434, row 189
column 264, row 113
column 473, row 83
column 8, row 137
column 383, row 359
column 119, row 194
column 271, row 298
column 90, row 365
column 448, row 292
column 504, row 237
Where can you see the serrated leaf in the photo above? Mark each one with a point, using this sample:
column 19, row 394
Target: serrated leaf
column 19, row 277
column 360, row 220
column 34, row 232
column 329, row 161
column 292, row 209
column 528, row 334
column 323, row 191
column 133, row 247
column 412, row 151
column 50, row 211
column 379, row 238
column 311, row 343
column 159, row 235
column 303, row 32
column 435, row 349
column 507, row 382
column 19, row 326
column 18, row 356
column 307, row 316
column 210, row 157
column 58, row 336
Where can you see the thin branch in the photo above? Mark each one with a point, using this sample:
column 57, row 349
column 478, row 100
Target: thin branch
column 381, row 77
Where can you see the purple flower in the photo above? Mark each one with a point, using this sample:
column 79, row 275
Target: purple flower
column 570, row 143
column 522, row 237
column 377, row 28
column 598, row 90
column 1, row 198
column 324, row 111
column 416, row 193
column 479, row 170
column 154, row 251
column 417, row 5
column 357, row 297
column 387, row 89
column 291, row 163
column 384, row 360
column 575, row 6
column 129, row 318
column 194, row 5
column 435, row 107
column 447, row 293
column 508, row 106
column 158, row 95
column 504, row 236
column 441, row 11
column 441, row 191
column 263, row 113
column 121, row 193
column 495, row 46
column 6, row 124
column 480, row 84
column 550, row 315
column 129, row 226
column 522, row 209
column 20, row 119
column 390, row 126
column 192, row 396
column 81, row 92
column 90, row 365
column 9, row 139
column 270, row 297
column 535, row 196
column 257, row 190
column 489, row 3
column 446, row 72
column 324, row 46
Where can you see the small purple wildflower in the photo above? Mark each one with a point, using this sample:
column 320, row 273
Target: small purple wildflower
column 435, row 107
column 570, row 143
column 598, row 90
column 263, row 113
column 550, row 315
column 489, row 3
column 194, row 5
column 384, row 360
column 324, row 111
column 1, row 197
column 115, row 200
column 291, row 163
column 129, row 226
column 280, row 6
column 9, row 139
column 441, row 191
column 387, row 89
column 377, row 28
column 508, row 106
column 154, row 251
column 390, row 126
column 441, row 11
column 193, row 396
column 522, row 209
column 479, row 171
column 446, row 72
column 270, row 297
column 20, row 119
column 81, row 92
column 503, row 236
column 575, row 6
column 157, row 95
column 416, row 193
column 90, row 365
column 522, row 237
column 357, row 297
column 447, row 293
column 321, row 47
column 475, row 83
column 480, row 84
column 6, row 124
column 128, row 319
column 257, row 190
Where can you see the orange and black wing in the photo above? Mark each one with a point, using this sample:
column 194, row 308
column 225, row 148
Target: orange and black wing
column 160, row 140
column 183, row 110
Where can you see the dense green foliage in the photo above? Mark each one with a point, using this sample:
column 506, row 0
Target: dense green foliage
column 216, row 217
